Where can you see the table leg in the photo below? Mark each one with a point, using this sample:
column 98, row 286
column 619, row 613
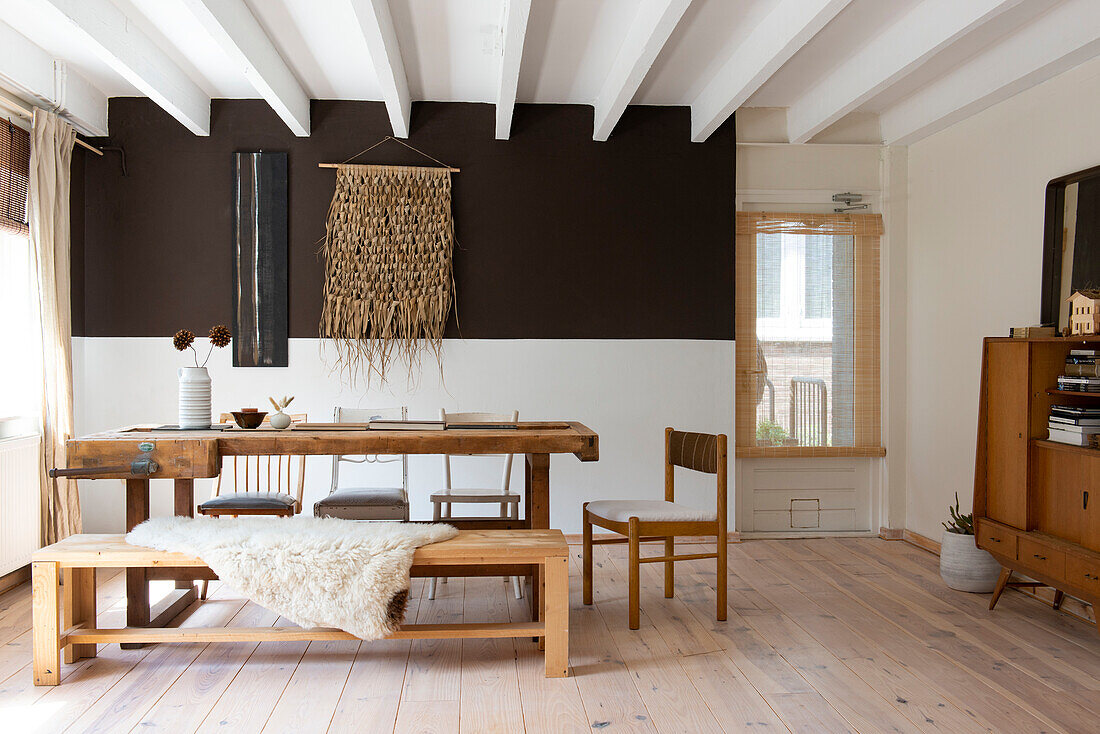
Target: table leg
column 537, row 499
column 138, row 611
column 185, row 506
column 137, row 586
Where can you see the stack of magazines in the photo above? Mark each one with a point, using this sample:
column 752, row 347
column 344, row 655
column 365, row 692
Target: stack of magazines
column 1073, row 424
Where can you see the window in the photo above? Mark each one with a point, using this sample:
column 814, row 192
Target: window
column 808, row 334
column 21, row 367
column 794, row 283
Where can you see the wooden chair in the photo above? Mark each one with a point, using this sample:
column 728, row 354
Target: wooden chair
column 367, row 503
column 507, row 501
column 262, row 490
column 642, row 520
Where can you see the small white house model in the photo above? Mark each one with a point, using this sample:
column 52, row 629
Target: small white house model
column 1084, row 312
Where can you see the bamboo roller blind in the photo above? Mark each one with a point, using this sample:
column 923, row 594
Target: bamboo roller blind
column 807, row 334
column 15, row 157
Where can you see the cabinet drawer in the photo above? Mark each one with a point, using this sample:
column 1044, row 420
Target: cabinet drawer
column 1042, row 558
column 996, row 539
column 1083, row 573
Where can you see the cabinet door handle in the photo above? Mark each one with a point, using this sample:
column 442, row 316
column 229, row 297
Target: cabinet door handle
column 1085, row 500
column 1041, row 558
column 995, row 540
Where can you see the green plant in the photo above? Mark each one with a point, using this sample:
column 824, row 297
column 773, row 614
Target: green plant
column 960, row 523
column 771, row 432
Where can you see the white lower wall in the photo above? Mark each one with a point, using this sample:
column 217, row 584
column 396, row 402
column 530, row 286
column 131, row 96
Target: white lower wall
column 975, row 256
column 625, row 390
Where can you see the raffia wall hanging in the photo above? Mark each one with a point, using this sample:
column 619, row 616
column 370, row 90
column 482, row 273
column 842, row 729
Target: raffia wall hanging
column 388, row 286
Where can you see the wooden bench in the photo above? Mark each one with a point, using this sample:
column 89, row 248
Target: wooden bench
column 64, row 608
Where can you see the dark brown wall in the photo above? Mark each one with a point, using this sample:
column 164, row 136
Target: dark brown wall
column 558, row 236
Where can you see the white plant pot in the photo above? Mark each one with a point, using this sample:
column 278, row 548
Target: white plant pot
column 964, row 566
column 194, row 397
column 279, row 420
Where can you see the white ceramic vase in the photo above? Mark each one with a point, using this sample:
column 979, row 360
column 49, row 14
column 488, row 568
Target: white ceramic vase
column 279, row 420
column 966, row 567
column 194, row 397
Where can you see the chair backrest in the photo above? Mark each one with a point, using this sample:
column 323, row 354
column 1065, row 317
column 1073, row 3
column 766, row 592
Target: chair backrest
column 256, row 473
column 506, row 469
column 809, row 411
column 366, row 415
column 701, row 452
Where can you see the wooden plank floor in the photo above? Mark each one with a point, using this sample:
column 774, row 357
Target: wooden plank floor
column 835, row 635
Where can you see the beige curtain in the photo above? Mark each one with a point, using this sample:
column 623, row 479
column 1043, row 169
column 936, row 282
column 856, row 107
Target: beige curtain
column 48, row 215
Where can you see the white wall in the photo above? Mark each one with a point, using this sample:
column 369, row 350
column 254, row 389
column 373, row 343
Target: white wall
column 625, row 390
column 975, row 262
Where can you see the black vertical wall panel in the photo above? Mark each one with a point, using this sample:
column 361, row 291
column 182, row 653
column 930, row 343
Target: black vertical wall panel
column 259, row 260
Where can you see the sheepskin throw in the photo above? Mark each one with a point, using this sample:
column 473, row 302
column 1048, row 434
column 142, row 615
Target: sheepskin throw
column 316, row 572
column 388, row 280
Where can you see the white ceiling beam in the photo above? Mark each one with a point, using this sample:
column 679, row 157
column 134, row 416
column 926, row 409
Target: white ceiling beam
column 376, row 25
column 1053, row 43
column 513, row 31
column 233, row 27
column 653, row 24
column 31, row 73
column 888, row 57
column 772, row 43
column 136, row 58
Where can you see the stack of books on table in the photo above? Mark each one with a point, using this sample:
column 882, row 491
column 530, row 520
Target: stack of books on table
column 1072, row 383
column 1082, row 363
column 1073, row 424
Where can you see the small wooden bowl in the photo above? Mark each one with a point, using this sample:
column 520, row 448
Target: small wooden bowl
column 248, row 418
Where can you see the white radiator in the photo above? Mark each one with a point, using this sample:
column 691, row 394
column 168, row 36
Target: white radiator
column 19, row 503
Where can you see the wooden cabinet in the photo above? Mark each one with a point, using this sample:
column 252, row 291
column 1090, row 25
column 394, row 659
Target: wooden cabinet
column 1036, row 503
column 1007, row 432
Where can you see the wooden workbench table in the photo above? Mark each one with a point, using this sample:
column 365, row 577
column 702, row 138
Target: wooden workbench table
column 184, row 456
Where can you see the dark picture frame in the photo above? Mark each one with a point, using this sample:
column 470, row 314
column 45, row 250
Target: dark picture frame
column 1053, row 223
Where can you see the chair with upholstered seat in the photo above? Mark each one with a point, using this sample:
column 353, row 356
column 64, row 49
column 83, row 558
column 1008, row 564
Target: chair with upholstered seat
column 367, row 503
column 656, row 519
column 261, row 485
column 507, row 501
column 262, row 490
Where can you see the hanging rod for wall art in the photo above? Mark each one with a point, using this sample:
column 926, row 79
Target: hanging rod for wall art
column 442, row 166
